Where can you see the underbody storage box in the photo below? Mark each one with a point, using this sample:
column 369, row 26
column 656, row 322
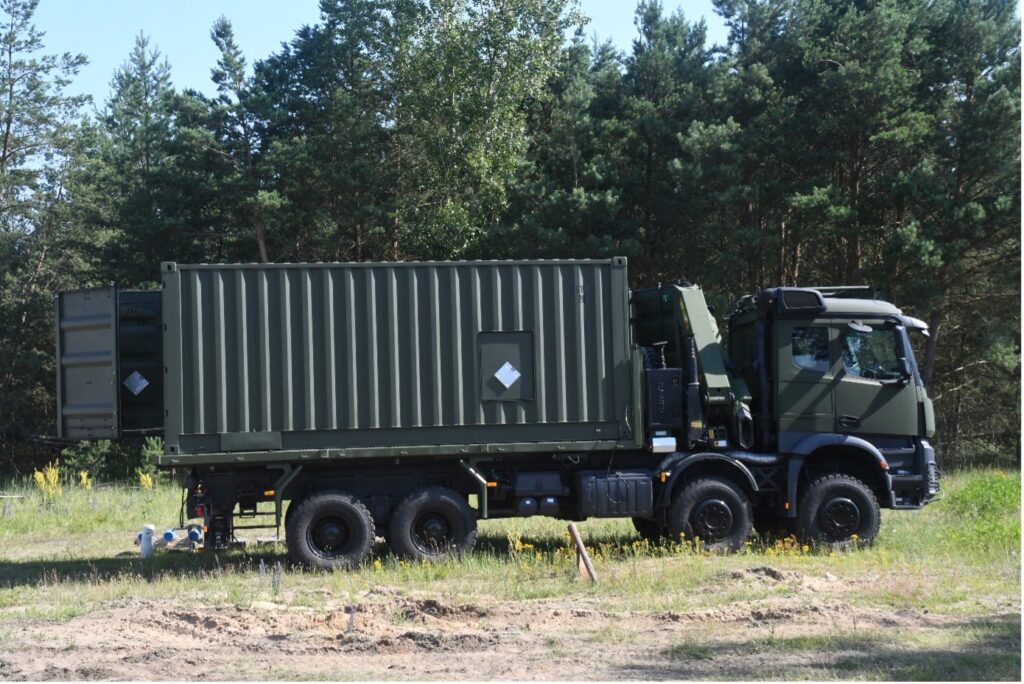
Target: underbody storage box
column 615, row 494
column 269, row 362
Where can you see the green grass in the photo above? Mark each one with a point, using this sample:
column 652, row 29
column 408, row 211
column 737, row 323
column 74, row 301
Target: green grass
column 958, row 559
column 82, row 536
column 691, row 650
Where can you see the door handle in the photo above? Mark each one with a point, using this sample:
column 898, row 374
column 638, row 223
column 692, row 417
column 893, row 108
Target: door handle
column 849, row 421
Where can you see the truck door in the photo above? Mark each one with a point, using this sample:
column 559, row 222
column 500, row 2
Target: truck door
column 873, row 394
column 805, row 363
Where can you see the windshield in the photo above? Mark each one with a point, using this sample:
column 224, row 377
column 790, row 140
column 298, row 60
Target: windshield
column 873, row 355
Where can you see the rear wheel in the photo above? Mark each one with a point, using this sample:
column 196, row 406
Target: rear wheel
column 431, row 524
column 838, row 508
column 714, row 510
column 329, row 530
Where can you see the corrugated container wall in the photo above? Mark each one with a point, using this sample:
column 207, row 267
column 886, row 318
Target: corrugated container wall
column 376, row 356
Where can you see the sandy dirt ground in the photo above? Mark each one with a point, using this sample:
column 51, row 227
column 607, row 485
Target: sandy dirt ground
column 387, row 634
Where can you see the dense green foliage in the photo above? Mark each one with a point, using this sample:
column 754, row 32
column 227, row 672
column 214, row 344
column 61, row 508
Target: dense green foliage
column 981, row 502
column 827, row 142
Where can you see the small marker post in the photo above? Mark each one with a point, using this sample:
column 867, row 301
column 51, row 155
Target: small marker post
column 583, row 562
column 7, row 498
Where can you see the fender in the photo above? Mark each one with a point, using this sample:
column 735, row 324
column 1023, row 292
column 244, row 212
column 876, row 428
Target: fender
column 811, row 443
column 679, row 466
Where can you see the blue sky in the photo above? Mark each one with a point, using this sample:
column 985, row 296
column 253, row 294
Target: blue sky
column 105, row 30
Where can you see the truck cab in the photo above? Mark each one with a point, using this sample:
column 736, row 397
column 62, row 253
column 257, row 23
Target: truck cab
column 815, row 393
column 841, row 371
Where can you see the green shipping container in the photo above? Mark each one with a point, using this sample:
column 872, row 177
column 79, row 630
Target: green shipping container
column 276, row 362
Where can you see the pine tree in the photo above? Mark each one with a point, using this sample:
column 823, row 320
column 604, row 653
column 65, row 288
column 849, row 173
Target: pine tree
column 37, row 149
column 239, row 134
column 137, row 121
column 36, row 116
column 328, row 98
column 471, row 68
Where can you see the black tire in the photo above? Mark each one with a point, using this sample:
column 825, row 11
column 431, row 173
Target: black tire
column 329, row 530
column 431, row 524
column 289, row 513
column 836, row 507
column 650, row 530
column 715, row 510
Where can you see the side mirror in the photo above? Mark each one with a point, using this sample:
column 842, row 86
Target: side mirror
column 905, row 373
column 860, row 326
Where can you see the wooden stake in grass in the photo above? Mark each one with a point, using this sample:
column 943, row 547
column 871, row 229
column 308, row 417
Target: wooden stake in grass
column 583, row 563
column 7, row 503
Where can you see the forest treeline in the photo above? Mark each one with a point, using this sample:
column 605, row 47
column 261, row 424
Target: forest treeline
column 826, row 142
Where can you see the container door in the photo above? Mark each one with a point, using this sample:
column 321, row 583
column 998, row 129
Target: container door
column 140, row 362
column 86, row 364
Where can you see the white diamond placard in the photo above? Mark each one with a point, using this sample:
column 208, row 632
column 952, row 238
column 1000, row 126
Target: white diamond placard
column 507, row 375
column 136, row 383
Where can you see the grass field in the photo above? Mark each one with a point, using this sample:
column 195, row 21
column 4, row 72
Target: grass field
column 936, row 597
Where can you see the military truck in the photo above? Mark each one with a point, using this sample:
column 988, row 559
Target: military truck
column 410, row 400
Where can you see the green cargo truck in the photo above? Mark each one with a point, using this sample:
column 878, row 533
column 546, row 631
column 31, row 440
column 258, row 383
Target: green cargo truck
column 410, row 400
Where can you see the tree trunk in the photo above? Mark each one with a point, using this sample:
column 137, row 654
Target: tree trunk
column 9, row 114
column 796, row 264
column 853, row 257
column 854, row 252
column 930, row 347
column 396, row 226
column 261, row 239
column 954, row 432
column 648, row 211
column 19, row 335
column 780, row 267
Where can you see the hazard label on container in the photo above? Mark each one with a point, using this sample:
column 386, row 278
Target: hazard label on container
column 507, row 375
column 136, row 383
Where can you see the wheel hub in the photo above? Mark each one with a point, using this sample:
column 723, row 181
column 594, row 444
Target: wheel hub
column 329, row 535
column 432, row 531
column 839, row 518
column 711, row 520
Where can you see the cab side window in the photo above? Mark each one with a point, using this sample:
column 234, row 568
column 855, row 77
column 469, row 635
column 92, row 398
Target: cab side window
column 810, row 348
column 871, row 355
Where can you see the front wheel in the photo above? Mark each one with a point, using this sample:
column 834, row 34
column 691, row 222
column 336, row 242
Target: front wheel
column 329, row 530
column 838, row 508
column 431, row 524
column 714, row 510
